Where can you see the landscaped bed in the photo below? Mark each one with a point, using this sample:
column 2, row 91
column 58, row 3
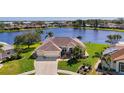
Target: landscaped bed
column 20, row 66
column 91, row 49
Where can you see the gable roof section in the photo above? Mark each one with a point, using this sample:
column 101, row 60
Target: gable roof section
column 65, row 41
column 54, row 43
column 49, row 46
column 118, row 55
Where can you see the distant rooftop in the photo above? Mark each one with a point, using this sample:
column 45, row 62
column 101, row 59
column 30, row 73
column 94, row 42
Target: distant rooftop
column 6, row 46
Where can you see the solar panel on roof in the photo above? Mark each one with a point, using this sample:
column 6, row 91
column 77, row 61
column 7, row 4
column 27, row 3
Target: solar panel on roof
column 109, row 50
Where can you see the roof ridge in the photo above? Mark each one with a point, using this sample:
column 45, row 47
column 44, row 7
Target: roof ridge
column 55, row 45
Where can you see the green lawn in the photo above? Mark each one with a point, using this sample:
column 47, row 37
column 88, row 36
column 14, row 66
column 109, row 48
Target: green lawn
column 19, row 66
column 91, row 49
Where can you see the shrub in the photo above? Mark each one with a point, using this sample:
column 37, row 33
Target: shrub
column 33, row 56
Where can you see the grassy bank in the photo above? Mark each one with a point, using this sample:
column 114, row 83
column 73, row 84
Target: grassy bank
column 20, row 30
column 106, row 29
column 19, row 66
column 91, row 49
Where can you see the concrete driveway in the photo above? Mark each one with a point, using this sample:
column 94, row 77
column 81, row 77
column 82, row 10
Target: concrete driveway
column 46, row 66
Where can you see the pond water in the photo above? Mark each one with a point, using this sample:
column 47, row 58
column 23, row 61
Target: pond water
column 96, row 36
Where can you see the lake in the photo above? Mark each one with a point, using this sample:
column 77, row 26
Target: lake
column 87, row 35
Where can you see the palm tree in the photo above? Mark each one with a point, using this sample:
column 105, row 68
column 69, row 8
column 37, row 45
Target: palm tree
column 96, row 24
column 112, row 39
column 118, row 37
column 98, row 55
column 49, row 34
column 106, row 58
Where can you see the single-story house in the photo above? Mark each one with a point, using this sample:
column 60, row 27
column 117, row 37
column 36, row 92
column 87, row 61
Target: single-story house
column 108, row 25
column 117, row 58
column 53, row 49
column 6, row 50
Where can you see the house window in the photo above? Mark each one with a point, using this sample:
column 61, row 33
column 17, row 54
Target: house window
column 121, row 67
column 70, row 50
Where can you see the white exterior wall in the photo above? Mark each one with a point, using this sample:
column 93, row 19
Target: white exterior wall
column 49, row 53
column 46, row 67
column 114, row 65
column 6, row 53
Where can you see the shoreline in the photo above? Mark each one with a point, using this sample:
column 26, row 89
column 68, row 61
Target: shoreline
column 20, row 30
column 86, row 28
column 105, row 29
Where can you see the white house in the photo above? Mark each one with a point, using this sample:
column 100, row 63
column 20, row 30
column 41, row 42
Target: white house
column 117, row 58
column 6, row 50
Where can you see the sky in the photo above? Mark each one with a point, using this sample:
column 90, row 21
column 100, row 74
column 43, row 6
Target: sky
column 49, row 18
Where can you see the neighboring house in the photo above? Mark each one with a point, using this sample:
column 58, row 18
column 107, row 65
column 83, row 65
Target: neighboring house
column 117, row 58
column 6, row 50
column 108, row 25
column 53, row 49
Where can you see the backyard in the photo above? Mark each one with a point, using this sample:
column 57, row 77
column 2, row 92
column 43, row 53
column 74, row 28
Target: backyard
column 22, row 65
column 91, row 49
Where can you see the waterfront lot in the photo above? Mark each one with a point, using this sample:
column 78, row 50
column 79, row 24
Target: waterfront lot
column 91, row 49
column 26, row 64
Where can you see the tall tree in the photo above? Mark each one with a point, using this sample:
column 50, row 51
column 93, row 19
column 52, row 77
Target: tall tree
column 84, row 25
column 96, row 24
column 27, row 39
column 2, row 26
column 77, row 52
column 77, row 23
column 104, row 58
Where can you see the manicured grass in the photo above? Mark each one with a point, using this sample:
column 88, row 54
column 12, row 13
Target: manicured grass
column 91, row 49
column 19, row 66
